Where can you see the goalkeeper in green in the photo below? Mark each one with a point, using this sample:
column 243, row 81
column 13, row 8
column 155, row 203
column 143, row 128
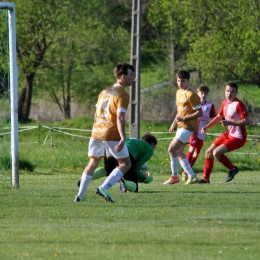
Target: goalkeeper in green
column 140, row 152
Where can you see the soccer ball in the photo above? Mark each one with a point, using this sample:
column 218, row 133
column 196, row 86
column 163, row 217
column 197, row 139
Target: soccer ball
column 148, row 174
column 144, row 169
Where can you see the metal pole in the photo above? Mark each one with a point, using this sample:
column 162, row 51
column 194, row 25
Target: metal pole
column 135, row 61
column 13, row 98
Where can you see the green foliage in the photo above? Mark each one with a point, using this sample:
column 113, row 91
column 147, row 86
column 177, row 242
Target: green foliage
column 169, row 27
column 73, row 47
column 153, row 74
column 91, row 46
column 227, row 46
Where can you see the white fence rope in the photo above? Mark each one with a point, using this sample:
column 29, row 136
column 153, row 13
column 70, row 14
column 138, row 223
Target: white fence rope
column 59, row 130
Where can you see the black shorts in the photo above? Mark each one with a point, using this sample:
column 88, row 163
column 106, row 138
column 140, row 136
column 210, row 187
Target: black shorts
column 111, row 163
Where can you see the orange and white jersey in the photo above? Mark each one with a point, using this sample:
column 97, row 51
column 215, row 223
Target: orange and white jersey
column 187, row 101
column 110, row 101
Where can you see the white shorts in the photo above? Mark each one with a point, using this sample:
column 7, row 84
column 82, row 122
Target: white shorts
column 98, row 149
column 183, row 135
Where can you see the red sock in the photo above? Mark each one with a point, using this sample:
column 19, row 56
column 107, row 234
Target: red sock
column 192, row 160
column 226, row 162
column 189, row 156
column 208, row 166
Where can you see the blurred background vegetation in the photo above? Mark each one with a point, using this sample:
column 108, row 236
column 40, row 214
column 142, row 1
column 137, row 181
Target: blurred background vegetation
column 67, row 51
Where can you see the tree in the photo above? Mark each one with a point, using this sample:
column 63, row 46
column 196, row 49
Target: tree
column 61, row 43
column 37, row 26
column 168, row 21
column 84, row 54
column 227, row 46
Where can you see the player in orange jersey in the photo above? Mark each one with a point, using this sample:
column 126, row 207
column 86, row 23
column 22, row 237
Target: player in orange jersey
column 188, row 111
column 108, row 133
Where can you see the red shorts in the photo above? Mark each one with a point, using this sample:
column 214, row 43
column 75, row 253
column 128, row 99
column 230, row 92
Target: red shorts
column 196, row 143
column 230, row 142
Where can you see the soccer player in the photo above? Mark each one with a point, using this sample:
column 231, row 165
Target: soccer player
column 108, row 133
column 188, row 111
column 233, row 115
column 197, row 139
column 140, row 152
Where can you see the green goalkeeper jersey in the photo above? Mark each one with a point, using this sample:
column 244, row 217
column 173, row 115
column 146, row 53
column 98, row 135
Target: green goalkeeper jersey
column 141, row 152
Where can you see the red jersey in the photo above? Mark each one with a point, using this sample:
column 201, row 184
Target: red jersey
column 234, row 111
column 208, row 112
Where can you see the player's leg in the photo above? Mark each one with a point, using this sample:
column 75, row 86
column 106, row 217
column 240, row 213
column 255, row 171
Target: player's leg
column 190, row 154
column 109, row 165
column 173, row 147
column 96, row 151
column 86, row 178
column 183, row 136
column 129, row 181
column 193, row 159
column 230, row 144
column 124, row 164
column 209, row 158
column 117, row 173
column 208, row 164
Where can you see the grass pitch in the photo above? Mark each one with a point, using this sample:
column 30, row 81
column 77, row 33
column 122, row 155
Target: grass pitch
column 209, row 221
column 40, row 220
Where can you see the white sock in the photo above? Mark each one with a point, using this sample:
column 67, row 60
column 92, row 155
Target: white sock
column 85, row 180
column 113, row 178
column 174, row 166
column 187, row 168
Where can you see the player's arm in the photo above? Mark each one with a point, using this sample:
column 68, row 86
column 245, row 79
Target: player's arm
column 212, row 123
column 244, row 118
column 244, row 121
column 198, row 113
column 140, row 162
column 121, row 129
column 212, row 113
column 171, row 129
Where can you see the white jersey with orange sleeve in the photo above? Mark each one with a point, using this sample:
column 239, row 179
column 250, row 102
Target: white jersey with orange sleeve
column 187, row 101
column 208, row 112
column 234, row 111
column 110, row 101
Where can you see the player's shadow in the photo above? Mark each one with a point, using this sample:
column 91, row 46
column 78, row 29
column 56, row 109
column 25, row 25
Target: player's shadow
column 154, row 191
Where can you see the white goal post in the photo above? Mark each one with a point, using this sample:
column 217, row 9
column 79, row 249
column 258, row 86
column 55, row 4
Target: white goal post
column 13, row 91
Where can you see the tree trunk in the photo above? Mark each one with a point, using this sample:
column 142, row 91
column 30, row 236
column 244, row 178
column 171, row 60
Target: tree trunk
column 25, row 99
column 67, row 109
column 67, row 101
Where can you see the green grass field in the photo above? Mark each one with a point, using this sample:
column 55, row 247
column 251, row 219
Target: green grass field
column 215, row 221
column 40, row 220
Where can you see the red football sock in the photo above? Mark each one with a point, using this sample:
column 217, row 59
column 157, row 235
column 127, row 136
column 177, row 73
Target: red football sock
column 189, row 156
column 226, row 162
column 208, row 166
column 192, row 160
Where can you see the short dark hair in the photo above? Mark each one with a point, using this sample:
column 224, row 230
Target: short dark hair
column 122, row 69
column 203, row 88
column 149, row 138
column 233, row 85
column 183, row 74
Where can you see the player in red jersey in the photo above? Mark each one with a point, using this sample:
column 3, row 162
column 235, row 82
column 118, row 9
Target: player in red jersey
column 233, row 115
column 197, row 139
